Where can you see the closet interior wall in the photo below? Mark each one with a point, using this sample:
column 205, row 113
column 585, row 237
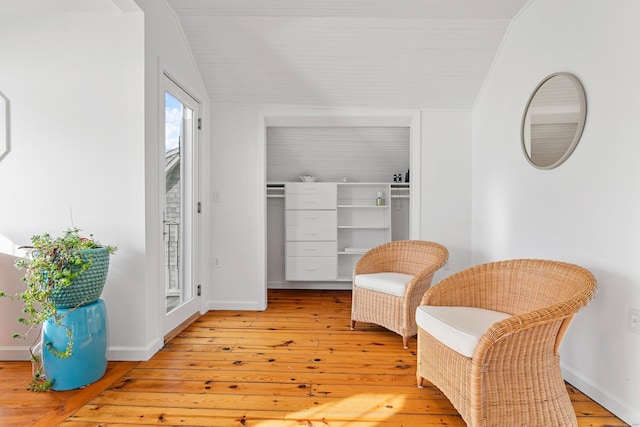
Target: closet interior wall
column 332, row 154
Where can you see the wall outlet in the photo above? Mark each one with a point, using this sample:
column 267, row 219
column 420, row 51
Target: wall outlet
column 634, row 320
column 216, row 262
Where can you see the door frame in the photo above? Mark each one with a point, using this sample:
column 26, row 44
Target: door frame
column 181, row 316
column 335, row 117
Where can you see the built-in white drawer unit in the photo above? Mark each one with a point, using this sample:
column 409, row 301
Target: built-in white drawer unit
column 311, row 231
column 310, row 196
column 311, row 225
column 311, row 217
column 310, row 188
column 306, row 249
column 311, row 268
column 328, row 226
column 309, row 201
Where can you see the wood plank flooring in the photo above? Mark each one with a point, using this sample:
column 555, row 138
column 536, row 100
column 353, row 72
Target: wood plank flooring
column 295, row 364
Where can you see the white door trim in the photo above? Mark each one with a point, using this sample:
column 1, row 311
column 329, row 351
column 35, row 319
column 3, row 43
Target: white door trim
column 335, row 117
column 180, row 314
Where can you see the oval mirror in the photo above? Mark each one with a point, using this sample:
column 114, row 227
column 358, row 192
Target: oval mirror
column 553, row 120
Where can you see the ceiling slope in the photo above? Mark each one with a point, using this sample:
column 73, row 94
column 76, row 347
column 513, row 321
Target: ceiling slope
column 431, row 54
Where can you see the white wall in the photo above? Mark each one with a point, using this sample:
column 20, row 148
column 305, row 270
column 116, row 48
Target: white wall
column 237, row 209
column 166, row 51
column 586, row 211
column 446, row 186
column 74, row 81
column 237, row 177
column 86, row 118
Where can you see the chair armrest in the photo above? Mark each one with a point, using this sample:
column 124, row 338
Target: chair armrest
column 460, row 289
column 422, row 280
column 522, row 322
column 372, row 261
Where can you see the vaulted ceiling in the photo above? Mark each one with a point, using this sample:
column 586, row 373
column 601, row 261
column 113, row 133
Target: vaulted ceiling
column 431, row 54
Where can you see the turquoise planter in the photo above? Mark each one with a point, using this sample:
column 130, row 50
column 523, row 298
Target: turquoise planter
column 88, row 361
column 87, row 287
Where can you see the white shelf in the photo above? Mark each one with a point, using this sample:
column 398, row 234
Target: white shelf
column 354, row 251
column 363, row 227
column 328, row 250
column 361, row 223
column 275, row 191
column 400, row 190
column 364, row 206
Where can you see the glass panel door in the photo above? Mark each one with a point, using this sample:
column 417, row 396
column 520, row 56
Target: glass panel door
column 179, row 215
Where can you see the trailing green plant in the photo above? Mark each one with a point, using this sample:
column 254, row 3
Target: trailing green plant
column 52, row 264
column 40, row 382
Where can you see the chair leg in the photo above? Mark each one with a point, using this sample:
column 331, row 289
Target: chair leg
column 405, row 342
column 353, row 324
column 419, row 380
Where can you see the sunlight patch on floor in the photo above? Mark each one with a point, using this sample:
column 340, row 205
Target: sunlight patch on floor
column 361, row 410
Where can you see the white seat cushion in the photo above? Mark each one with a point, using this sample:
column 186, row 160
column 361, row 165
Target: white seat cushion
column 459, row 328
column 388, row 283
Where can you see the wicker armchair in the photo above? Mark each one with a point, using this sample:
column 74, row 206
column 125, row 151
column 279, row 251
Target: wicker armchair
column 511, row 376
column 401, row 272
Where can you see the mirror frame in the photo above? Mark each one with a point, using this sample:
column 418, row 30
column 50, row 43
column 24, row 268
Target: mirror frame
column 583, row 116
column 4, row 126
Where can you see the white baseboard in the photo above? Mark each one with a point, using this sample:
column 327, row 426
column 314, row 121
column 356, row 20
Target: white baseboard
column 15, row 353
column 234, row 305
column 620, row 409
column 257, row 305
column 122, row 353
column 114, row 353
column 327, row 286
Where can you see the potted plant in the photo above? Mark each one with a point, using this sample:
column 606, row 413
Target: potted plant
column 61, row 274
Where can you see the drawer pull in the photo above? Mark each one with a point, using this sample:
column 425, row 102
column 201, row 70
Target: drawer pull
column 312, row 269
column 311, row 218
column 311, row 249
column 310, row 234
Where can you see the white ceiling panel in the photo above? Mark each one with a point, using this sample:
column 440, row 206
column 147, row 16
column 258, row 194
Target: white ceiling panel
column 432, row 54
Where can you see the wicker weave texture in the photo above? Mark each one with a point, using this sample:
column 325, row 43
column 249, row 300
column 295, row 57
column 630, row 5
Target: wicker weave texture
column 416, row 257
column 513, row 377
column 87, row 287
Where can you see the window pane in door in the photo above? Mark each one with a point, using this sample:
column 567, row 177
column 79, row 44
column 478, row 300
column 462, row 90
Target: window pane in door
column 174, row 131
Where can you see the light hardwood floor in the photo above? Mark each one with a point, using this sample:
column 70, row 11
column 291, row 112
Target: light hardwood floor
column 295, row 364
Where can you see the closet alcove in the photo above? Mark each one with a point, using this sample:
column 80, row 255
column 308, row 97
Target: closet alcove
column 352, row 160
